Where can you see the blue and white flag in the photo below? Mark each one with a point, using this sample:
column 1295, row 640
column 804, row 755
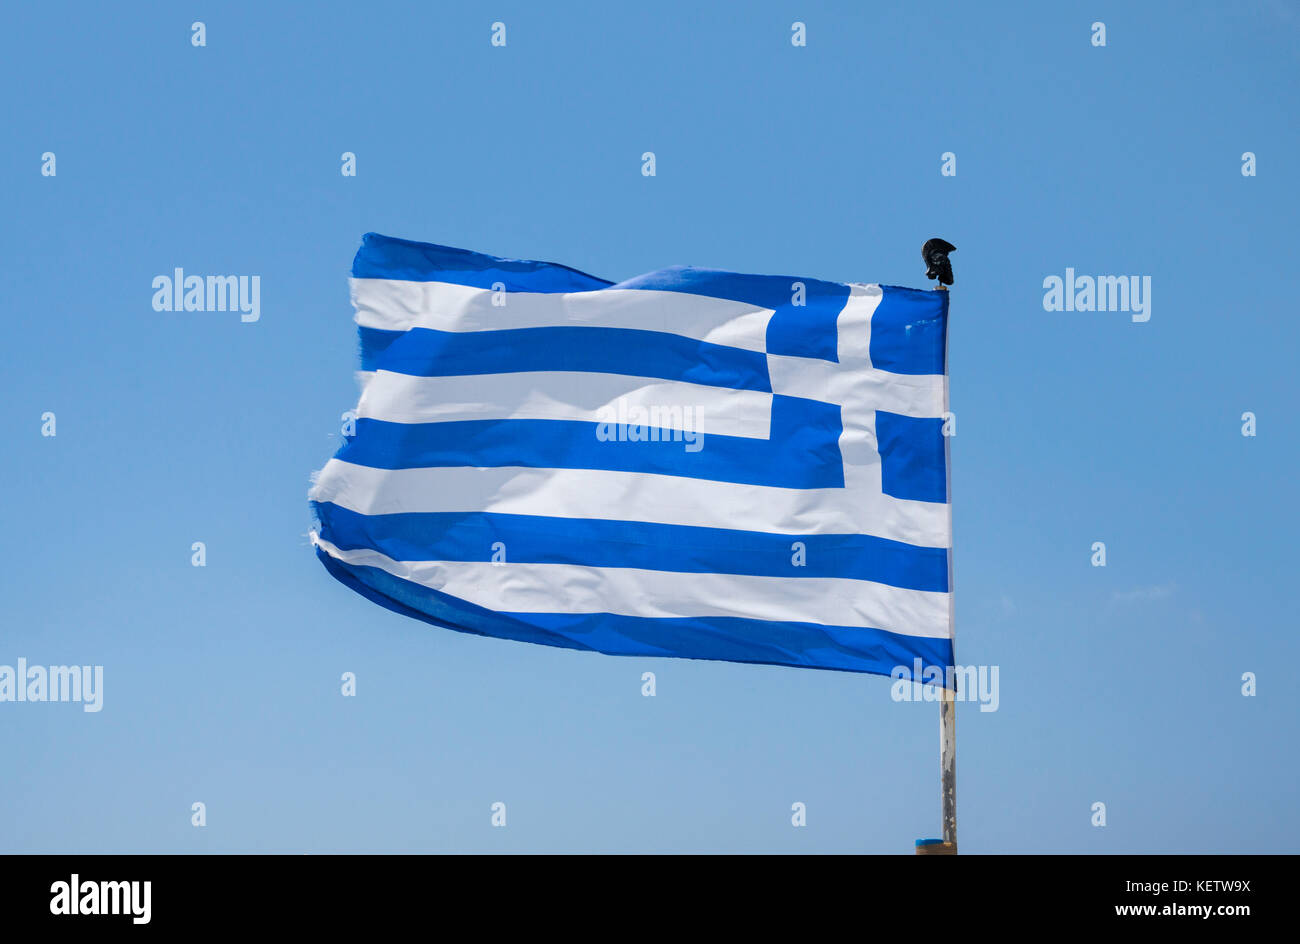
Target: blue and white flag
column 689, row 463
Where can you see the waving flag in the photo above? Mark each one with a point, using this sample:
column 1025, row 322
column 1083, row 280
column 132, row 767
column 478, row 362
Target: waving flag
column 689, row 463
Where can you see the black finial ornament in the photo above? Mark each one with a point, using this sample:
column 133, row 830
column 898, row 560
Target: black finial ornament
column 935, row 254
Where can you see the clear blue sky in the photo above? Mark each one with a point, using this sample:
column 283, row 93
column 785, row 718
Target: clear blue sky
column 1118, row 684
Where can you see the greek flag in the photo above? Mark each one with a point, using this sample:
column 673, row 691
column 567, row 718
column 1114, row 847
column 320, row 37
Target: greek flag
column 690, row 463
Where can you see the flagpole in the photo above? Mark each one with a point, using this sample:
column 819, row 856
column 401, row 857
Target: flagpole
column 935, row 254
column 948, row 766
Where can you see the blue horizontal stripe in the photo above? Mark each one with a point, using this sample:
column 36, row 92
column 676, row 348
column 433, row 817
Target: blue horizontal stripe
column 532, row 539
column 802, row 452
column 908, row 331
column 803, row 324
column 913, row 460
column 730, row 639
column 374, row 344
column 424, row 352
column 384, row 257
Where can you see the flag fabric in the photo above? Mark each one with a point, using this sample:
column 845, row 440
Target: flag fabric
column 690, row 463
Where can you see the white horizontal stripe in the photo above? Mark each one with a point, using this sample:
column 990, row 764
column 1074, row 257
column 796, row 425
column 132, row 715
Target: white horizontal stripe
column 632, row 496
column 568, row 395
column 396, row 305
column 918, row 395
column 568, row 588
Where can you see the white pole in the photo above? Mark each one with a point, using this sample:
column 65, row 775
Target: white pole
column 948, row 766
column 948, row 705
column 935, row 253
